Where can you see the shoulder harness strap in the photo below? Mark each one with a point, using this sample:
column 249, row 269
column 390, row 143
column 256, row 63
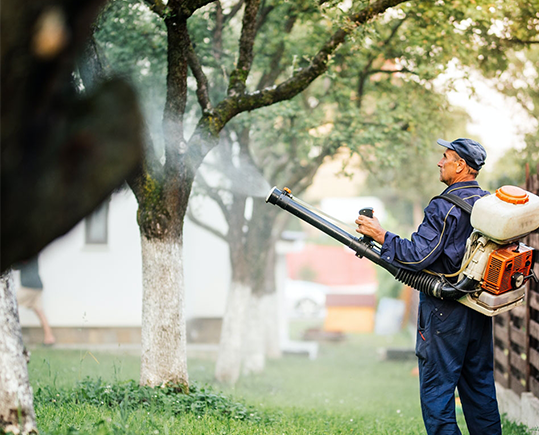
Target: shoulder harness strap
column 458, row 201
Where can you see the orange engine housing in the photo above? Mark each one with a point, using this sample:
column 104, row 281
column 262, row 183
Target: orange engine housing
column 505, row 266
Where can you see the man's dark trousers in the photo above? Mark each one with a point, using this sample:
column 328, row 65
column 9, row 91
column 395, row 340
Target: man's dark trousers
column 455, row 350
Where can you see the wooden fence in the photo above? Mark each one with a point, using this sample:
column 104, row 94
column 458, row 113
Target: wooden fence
column 516, row 333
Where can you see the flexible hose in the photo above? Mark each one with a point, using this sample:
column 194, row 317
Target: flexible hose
column 436, row 286
column 423, row 282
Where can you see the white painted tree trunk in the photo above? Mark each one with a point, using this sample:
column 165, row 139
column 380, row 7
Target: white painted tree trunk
column 254, row 346
column 228, row 365
column 272, row 325
column 164, row 340
column 16, row 397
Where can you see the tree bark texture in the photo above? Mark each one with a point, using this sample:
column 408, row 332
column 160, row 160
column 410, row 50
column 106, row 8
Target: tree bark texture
column 62, row 154
column 243, row 335
column 254, row 343
column 162, row 199
column 272, row 325
column 227, row 367
column 16, row 398
column 272, row 308
column 260, row 243
column 164, row 355
column 242, row 102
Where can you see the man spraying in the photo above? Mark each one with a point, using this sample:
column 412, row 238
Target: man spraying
column 454, row 343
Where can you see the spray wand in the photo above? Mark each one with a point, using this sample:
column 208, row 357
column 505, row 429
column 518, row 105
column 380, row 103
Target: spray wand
column 432, row 285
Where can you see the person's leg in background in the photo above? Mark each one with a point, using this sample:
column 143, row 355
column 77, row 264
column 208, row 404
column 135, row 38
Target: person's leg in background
column 31, row 298
column 48, row 336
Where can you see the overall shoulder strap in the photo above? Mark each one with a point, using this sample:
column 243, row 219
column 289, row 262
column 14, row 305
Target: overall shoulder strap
column 458, row 201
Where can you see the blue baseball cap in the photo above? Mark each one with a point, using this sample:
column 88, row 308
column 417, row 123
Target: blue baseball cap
column 471, row 151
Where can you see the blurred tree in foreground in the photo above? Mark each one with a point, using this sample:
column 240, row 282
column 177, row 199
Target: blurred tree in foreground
column 61, row 157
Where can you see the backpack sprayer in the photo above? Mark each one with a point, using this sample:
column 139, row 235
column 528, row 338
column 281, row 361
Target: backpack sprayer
column 495, row 267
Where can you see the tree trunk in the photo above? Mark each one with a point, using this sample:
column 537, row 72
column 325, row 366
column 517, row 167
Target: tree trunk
column 262, row 273
column 164, row 354
column 227, row 368
column 16, row 397
column 272, row 306
column 263, row 335
column 254, row 345
column 272, row 325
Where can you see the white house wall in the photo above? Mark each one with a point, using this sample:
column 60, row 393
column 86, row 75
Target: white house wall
column 207, row 265
column 100, row 285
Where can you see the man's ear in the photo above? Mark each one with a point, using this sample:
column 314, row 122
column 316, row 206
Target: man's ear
column 461, row 165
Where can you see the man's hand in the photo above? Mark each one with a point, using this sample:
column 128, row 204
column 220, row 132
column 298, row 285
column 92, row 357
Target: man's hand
column 371, row 227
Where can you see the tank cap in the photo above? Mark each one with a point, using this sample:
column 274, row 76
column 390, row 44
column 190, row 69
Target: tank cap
column 512, row 195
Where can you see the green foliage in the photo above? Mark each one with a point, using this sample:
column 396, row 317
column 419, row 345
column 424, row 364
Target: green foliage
column 346, row 390
column 130, row 396
column 520, row 82
column 507, row 170
column 134, row 42
column 510, row 169
column 377, row 96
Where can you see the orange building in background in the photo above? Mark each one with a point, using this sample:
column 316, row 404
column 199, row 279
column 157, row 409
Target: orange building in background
column 351, row 303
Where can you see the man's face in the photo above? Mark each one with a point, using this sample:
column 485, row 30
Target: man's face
column 448, row 166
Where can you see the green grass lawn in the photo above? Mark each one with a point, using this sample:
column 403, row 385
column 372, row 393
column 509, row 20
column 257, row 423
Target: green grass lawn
column 348, row 389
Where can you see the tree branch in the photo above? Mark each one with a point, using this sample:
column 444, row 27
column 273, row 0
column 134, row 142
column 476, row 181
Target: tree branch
column 390, row 71
column 302, row 176
column 202, row 81
column 303, row 77
column 217, row 40
column 212, row 194
column 176, row 95
column 264, row 13
column 205, row 226
column 206, row 133
column 156, row 6
column 366, row 72
column 235, row 9
column 279, row 166
column 239, row 76
column 93, row 65
column 519, row 41
column 269, row 77
column 184, row 9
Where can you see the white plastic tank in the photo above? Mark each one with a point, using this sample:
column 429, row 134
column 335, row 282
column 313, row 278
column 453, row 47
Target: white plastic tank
column 508, row 214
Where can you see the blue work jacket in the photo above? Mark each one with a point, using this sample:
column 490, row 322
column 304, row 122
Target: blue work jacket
column 439, row 243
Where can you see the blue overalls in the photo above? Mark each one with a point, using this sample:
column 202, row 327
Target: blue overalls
column 454, row 343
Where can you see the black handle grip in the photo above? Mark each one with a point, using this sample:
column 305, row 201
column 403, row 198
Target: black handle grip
column 367, row 211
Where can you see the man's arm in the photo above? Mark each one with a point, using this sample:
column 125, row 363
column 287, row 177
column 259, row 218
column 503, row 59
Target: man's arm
column 427, row 243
